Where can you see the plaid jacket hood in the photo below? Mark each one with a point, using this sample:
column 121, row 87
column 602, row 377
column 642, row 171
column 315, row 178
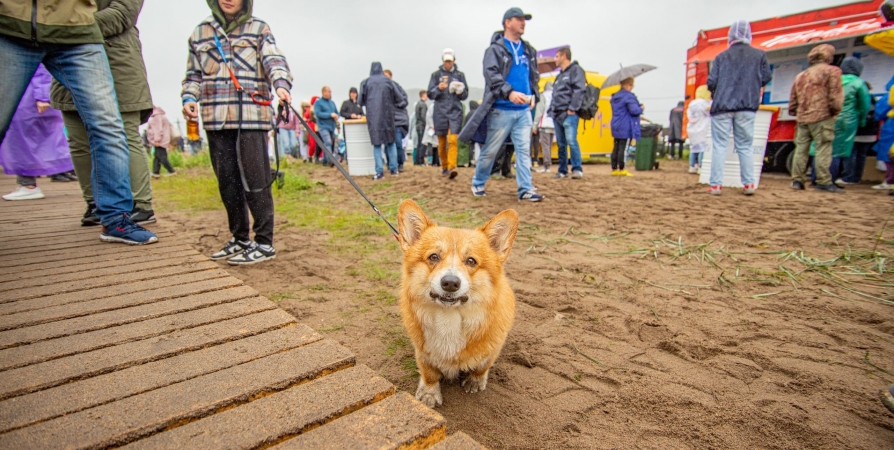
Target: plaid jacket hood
column 258, row 64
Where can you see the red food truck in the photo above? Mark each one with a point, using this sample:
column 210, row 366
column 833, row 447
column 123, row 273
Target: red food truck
column 787, row 41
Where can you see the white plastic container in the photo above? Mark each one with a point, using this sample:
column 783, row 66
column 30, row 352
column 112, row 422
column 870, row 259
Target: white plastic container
column 359, row 147
column 731, row 171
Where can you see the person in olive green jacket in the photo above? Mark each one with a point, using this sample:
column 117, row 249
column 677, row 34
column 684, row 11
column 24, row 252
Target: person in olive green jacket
column 64, row 37
column 117, row 21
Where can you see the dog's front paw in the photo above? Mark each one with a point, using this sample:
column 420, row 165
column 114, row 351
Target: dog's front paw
column 475, row 384
column 430, row 395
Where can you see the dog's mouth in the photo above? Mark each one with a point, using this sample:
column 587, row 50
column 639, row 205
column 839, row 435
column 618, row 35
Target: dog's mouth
column 449, row 300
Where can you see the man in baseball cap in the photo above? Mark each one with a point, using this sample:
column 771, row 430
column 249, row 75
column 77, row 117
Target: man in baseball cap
column 447, row 88
column 511, row 91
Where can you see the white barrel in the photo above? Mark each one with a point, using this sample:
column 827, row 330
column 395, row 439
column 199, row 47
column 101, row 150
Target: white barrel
column 359, row 147
column 731, row 170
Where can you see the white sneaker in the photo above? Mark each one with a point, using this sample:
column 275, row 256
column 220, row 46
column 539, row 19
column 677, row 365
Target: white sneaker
column 693, row 169
column 879, row 187
column 24, row 193
column 543, row 170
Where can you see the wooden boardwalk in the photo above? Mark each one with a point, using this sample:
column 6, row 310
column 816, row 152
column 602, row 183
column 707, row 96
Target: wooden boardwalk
column 106, row 345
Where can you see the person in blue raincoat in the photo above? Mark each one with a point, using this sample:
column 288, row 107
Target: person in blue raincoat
column 626, row 112
column 886, row 137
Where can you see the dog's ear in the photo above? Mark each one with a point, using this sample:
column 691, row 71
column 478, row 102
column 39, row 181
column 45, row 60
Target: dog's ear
column 500, row 232
column 411, row 223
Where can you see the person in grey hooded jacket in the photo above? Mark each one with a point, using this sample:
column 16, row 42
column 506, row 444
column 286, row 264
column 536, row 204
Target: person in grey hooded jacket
column 568, row 97
column 448, row 89
column 381, row 98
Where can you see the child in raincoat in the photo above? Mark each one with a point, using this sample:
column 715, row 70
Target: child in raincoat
column 857, row 103
column 884, row 110
column 699, row 122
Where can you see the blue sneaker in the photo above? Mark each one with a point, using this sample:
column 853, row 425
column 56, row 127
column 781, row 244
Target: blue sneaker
column 530, row 196
column 478, row 191
column 126, row 232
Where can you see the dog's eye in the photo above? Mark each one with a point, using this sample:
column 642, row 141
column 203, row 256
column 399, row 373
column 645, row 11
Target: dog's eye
column 434, row 258
column 471, row 262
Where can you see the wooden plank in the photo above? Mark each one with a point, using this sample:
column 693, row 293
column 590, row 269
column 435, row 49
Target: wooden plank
column 18, row 412
column 21, row 261
column 53, row 373
column 279, row 416
column 398, row 421
column 459, row 441
column 92, row 278
column 134, row 417
column 80, row 343
column 65, row 267
column 13, row 307
column 117, row 317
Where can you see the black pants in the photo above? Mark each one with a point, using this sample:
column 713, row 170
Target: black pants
column 619, row 154
column 420, row 149
column 674, row 142
column 161, row 159
column 503, row 161
column 435, row 157
column 237, row 202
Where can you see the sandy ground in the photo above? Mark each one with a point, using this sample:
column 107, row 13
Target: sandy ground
column 650, row 314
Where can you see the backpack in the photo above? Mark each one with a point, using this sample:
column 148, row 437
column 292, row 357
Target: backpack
column 590, row 105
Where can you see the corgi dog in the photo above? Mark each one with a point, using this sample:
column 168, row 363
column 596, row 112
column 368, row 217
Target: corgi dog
column 455, row 301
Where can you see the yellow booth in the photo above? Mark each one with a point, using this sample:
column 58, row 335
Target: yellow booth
column 594, row 136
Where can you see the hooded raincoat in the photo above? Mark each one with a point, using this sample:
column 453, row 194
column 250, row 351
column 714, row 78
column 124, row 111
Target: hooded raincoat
column 699, row 119
column 497, row 63
column 626, row 113
column 158, row 133
column 35, row 144
column 886, row 136
column 253, row 56
column 382, row 99
column 857, row 102
column 739, row 73
column 448, row 105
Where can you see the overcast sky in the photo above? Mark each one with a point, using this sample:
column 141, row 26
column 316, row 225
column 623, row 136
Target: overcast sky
column 333, row 42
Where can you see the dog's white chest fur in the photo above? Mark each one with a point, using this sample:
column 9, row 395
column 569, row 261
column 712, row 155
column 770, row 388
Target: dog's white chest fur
column 447, row 332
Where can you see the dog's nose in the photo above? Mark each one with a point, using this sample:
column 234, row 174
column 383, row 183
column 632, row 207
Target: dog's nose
column 450, row 283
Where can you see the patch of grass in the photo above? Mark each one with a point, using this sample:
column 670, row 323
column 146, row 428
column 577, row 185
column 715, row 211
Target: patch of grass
column 408, row 364
column 186, row 161
column 332, row 328
column 277, row 297
column 384, row 297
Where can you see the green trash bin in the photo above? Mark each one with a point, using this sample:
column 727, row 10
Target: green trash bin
column 647, row 148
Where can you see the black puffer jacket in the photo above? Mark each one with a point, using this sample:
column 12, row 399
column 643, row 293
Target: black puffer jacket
column 448, row 113
column 381, row 98
column 568, row 91
column 497, row 63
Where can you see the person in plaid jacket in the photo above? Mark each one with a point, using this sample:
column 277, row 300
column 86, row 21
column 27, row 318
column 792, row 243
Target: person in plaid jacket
column 231, row 39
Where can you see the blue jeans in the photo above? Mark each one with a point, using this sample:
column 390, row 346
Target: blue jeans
column 566, row 136
column 500, row 125
column 328, row 139
column 742, row 125
column 391, row 150
column 287, row 142
column 696, row 158
column 853, row 166
column 84, row 71
column 400, row 153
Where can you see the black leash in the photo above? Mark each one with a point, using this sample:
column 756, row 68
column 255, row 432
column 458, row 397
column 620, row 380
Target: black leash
column 278, row 176
column 320, row 143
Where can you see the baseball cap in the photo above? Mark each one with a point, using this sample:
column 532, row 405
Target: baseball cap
column 515, row 12
column 448, row 55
